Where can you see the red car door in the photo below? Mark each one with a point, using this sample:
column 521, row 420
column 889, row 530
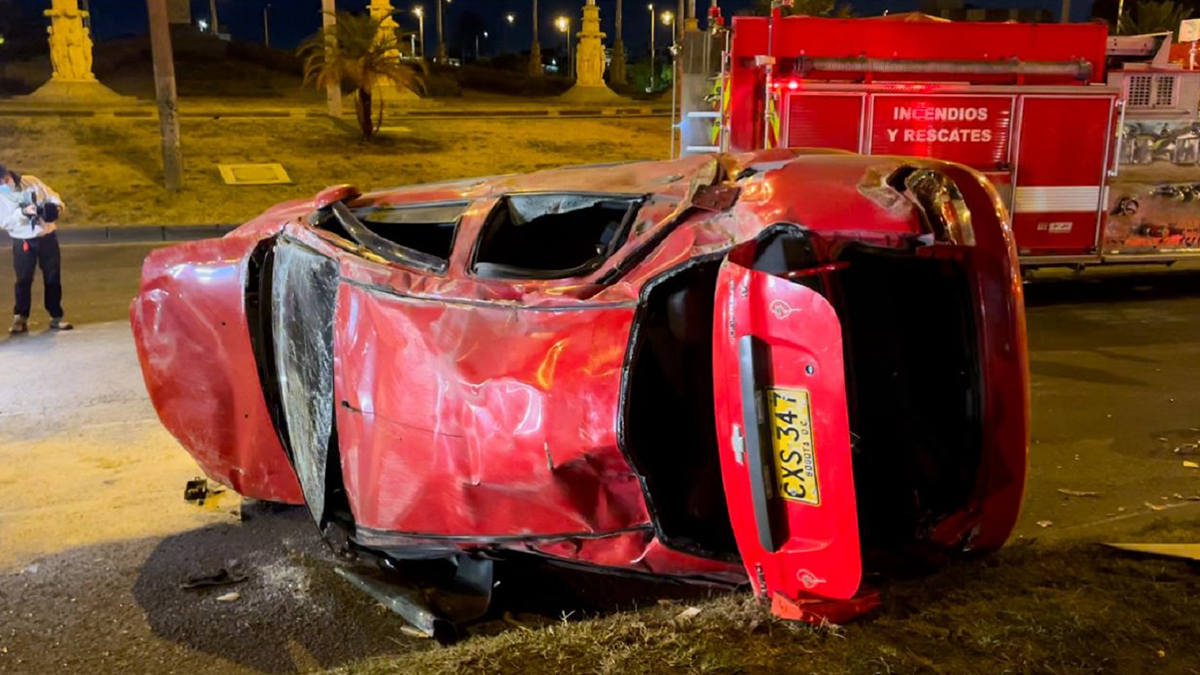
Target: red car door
column 784, row 436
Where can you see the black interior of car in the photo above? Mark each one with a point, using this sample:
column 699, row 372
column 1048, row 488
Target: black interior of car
column 915, row 391
column 552, row 236
column 670, row 416
column 420, row 235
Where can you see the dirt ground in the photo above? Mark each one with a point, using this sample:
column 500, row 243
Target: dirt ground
column 109, row 170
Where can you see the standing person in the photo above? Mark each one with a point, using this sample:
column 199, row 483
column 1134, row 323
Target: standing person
column 28, row 211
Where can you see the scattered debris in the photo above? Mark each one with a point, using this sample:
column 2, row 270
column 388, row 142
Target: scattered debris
column 1162, row 654
column 1045, row 523
column 1078, row 493
column 688, row 614
column 229, row 597
column 1190, row 465
column 1155, row 507
column 199, row 492
column 1120, row 509
column 1162, row 439
column 407, row 602
column 1184, row 551
column 1187, row 449
column 413, row 632
column 222, row 578
column 512, row 621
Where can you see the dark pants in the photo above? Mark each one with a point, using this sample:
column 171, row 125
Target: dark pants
column 28, row 255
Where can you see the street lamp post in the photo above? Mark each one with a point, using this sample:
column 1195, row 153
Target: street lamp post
column 267, row 25
column 535, row 50
column 420, row 12
column 652, row 78
column 212, row 17
column 441, row 50
column 485, row 35
column 564, row 25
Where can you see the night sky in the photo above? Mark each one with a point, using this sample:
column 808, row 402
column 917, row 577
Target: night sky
column 293, row 20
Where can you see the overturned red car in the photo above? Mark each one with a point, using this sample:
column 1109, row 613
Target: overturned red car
column 784, row 366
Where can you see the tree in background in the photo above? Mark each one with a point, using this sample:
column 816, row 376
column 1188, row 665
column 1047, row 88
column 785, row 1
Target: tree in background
column 365, row 59
column 807, row 8
column 1150, row 16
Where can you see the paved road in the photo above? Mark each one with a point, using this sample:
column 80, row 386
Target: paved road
column 95, row 539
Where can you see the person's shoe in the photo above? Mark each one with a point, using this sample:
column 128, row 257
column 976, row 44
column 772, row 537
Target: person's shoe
column 20, row 324
column 60, row 324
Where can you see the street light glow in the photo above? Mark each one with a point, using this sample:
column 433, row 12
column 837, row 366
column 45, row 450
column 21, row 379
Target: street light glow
column 511, row 18
column 562, row 24
column 419, row 11
column 667, row 18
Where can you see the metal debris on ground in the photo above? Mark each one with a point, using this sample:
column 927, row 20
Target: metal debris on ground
column 1155, row 507
column 1182, row 551
column 221, row 578
column 1078, row 493
column 1045, row 523
column 413, row 632
column 199, row 492
column 1190, row 465
column 229, row 597
column 1187, row 449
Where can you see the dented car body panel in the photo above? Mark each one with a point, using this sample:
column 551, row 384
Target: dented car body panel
column 580, row 364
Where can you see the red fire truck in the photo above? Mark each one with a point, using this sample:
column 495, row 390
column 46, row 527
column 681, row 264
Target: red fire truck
column 1093, row 141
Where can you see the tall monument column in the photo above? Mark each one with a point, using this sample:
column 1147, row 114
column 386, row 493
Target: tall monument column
column 382, row 10
column 589, row 61
column 70, row 42
column 71, row 57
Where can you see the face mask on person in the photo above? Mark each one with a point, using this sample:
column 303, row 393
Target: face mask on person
column 6, row 189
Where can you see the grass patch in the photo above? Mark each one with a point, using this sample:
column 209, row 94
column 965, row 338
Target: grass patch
column 109, row 171
column 1061, row 609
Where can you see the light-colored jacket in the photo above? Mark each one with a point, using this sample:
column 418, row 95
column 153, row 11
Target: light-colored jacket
column 29, row 191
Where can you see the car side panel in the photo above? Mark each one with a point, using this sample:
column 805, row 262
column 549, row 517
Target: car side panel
column 470, row 419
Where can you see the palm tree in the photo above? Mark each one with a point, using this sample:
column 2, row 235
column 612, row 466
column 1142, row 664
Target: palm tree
column 616, row 70
column 365, row 58
column 535, row 51
column 1153, row 17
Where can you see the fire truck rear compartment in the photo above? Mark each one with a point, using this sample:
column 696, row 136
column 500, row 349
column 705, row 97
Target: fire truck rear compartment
column 912, row 387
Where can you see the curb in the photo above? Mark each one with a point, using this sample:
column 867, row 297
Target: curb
column 153, row 234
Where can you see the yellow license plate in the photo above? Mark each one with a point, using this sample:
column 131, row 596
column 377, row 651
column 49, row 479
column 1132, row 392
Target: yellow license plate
column 792, row 441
